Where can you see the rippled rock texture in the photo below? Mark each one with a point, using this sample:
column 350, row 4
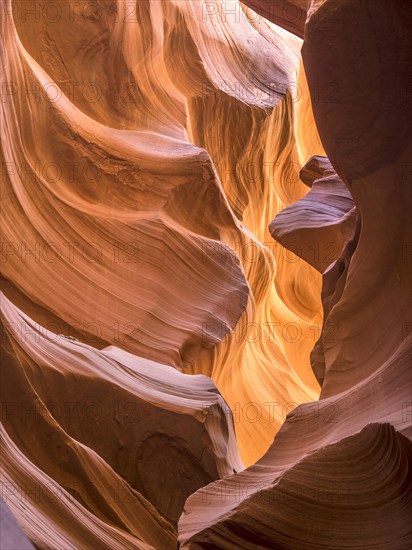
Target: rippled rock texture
column 206, row 274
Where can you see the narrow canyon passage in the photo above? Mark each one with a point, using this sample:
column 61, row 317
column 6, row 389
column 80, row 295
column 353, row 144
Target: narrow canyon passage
column 206, row 274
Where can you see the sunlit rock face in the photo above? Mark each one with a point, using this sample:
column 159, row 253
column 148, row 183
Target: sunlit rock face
column 143, row 173
column 205, row 228
column 339, row 471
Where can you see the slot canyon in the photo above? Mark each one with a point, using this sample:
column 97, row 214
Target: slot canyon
column 206, row 268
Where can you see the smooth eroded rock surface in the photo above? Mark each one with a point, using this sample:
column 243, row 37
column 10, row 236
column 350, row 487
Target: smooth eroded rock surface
column 206, row 274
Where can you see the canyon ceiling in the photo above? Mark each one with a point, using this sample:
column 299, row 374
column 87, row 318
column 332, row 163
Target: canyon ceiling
column 206, row 274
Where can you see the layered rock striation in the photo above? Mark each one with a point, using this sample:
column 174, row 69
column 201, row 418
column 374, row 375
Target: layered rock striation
column 206, row 274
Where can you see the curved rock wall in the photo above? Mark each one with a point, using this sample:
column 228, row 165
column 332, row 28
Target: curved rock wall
column 339, row 471
column 205, row 227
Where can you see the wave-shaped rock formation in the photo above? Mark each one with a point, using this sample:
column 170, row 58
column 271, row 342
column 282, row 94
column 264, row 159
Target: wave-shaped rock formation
column 339, row 471
column 142, row 221
column 206, row 274
column 325, row 216
column 129, row 438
